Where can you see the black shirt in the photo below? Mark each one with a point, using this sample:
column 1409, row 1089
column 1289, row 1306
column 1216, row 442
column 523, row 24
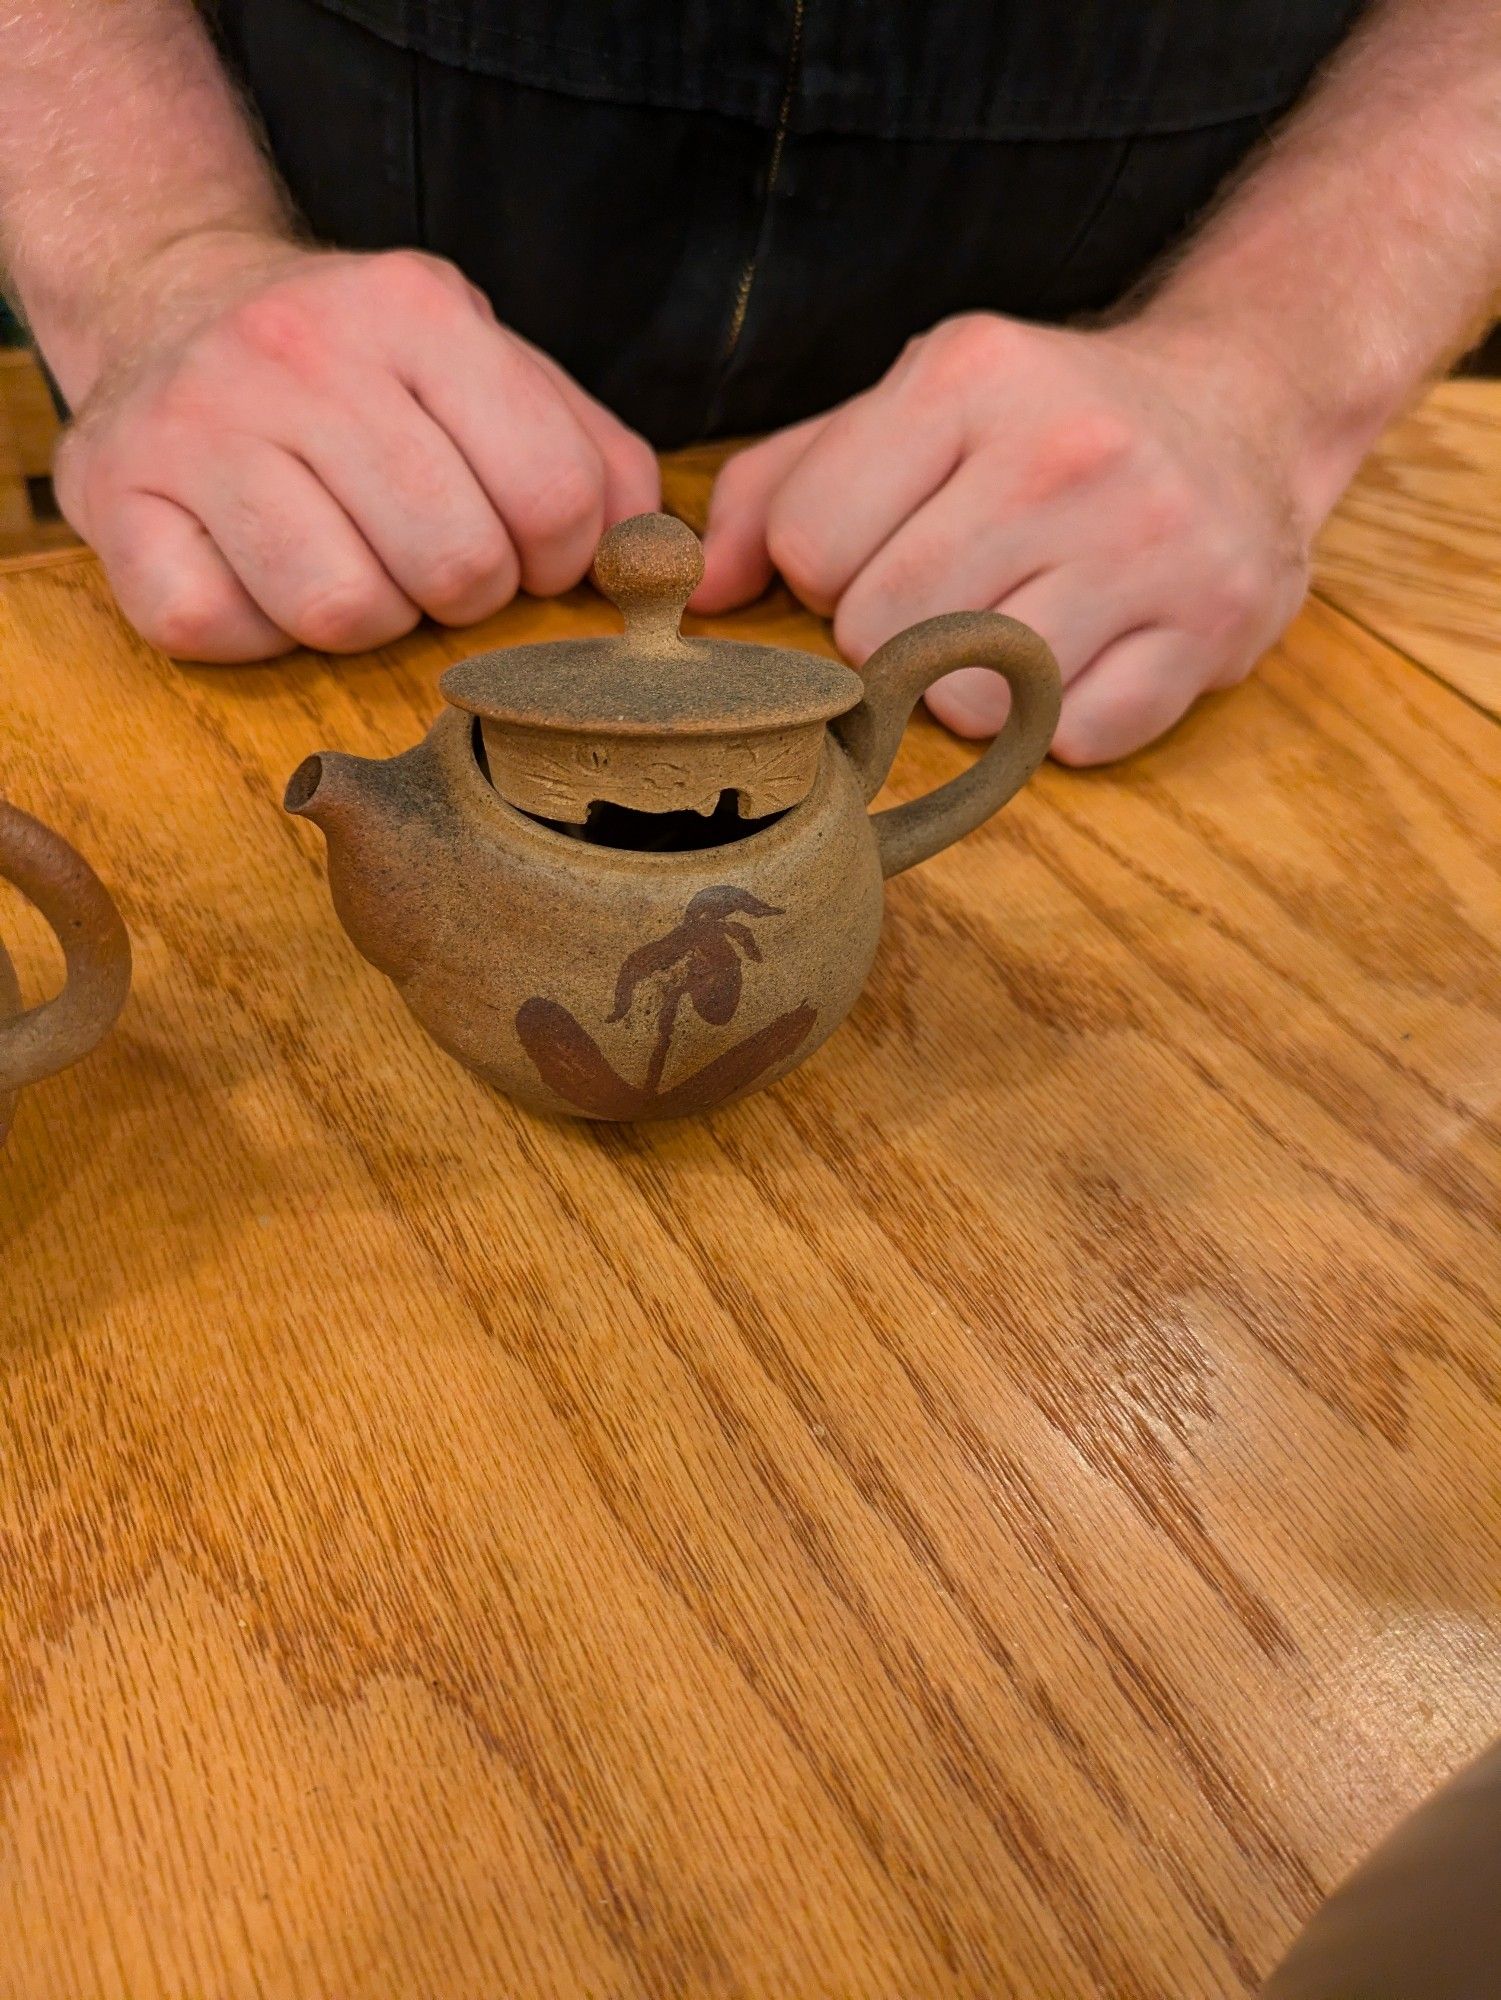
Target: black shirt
column 723, row 215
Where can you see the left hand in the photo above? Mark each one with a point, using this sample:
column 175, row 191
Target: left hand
column 1138, row 500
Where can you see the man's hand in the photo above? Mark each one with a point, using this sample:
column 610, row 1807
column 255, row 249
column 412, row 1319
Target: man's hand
column 285, row 446
column 1139, row 505
column 1144, row 495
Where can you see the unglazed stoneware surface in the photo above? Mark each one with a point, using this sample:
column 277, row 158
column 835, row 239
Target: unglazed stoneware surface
column 39, row 1042
column 10, row 1006
column 637, row 878
column 652, row 720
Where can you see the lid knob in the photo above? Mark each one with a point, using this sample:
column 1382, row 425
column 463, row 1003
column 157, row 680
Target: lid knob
column 650, row 566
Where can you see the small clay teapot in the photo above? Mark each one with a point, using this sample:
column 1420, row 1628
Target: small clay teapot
column 635, row 877
column 95, row 948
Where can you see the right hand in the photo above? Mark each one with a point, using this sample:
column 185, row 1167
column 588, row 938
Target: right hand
column 292, row 447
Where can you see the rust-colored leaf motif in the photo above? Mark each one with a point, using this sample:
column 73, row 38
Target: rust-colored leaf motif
column 699, row 956
column 739, row 1067
column 699, row 961
column 572, row 1064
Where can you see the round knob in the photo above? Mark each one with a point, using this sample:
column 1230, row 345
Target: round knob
column 650, row 566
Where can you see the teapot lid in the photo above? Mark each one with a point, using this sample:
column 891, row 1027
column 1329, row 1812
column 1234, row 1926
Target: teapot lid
column 650, row 680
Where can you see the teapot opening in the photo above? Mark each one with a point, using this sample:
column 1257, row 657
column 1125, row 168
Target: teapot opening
column 610, row 825
column 632, row 830
column 302, row 784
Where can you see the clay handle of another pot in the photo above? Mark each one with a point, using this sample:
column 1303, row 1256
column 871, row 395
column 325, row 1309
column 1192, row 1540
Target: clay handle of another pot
column 95, row 947
column 898, row 673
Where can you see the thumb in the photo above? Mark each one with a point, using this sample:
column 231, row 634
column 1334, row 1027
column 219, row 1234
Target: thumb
column 737, row 566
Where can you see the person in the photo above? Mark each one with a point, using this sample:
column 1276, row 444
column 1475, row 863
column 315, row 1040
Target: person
column 374, row 308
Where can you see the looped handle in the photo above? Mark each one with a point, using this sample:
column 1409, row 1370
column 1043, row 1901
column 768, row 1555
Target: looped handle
column 898, row 673
column 95, row 946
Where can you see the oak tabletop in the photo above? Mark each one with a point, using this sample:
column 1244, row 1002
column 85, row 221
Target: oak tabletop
column 1414, row 549
column 1010, row 1511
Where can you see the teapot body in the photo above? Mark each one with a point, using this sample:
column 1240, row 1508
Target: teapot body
column 602, row 982
column 607, row 979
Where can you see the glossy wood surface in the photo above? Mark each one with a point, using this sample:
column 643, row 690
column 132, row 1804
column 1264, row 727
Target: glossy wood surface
column 1013, row 1511
column 28, row 436
column 1414, row 549
column 15, row 505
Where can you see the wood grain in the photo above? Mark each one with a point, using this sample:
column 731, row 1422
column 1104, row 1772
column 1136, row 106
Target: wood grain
column 15, row 505
column 1010, row 1512
column 28, row 436
column 33, row 415
column 1414, row 549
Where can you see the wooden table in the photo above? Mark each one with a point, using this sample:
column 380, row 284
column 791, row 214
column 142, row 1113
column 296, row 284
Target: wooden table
column 1414, row 552
column 1013, row 1511
column 28, row 438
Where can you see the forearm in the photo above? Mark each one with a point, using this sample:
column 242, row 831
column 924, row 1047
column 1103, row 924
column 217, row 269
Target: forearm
column 1363, row 251
column 119, row 136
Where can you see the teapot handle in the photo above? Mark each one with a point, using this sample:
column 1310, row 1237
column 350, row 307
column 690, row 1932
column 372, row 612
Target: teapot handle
column 95, row 946
column 898, row 672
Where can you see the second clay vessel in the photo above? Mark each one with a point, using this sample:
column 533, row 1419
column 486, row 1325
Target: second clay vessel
column 39, row 1041
column 636, row 877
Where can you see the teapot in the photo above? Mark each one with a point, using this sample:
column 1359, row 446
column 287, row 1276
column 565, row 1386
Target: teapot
column 45, row 1039
column 635, row 877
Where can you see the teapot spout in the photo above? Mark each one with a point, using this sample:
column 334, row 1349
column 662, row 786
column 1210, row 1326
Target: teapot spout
column 331, row 790
column 374, row 862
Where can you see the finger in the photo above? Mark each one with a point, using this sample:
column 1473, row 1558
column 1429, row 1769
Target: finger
column 297, row 552
column 1137, row 688
column 1082, row 608
column 543, row 474
column 175, row 587
column 875, row 462
column 972, row 702
column 737, row 564
column 633, row 478
column 960, row 551
column 1079, row 609
column 410, row 492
